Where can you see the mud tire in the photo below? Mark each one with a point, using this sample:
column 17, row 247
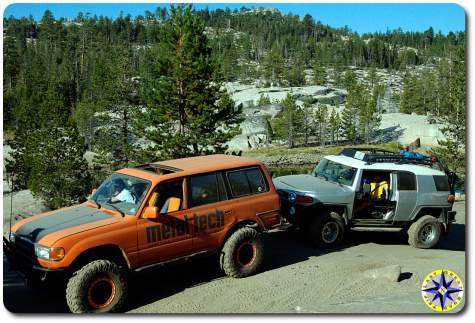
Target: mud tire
column 82, row 283
column 425, row 233
column 242, row 253
column 325, row 230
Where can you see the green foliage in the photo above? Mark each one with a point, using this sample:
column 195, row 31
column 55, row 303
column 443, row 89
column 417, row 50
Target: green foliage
column 187, row 111
column 263, row 100
column 354, row 102
column 369, row 116
column 452, row 150
column 295, row 75
column 287, row 125
column 59, row 173
column 319, row 75
column 307, row 124
column 273, row 66
column 334, row 125
column 321, row 120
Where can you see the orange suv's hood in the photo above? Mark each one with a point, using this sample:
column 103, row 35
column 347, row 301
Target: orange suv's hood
column 80, row 217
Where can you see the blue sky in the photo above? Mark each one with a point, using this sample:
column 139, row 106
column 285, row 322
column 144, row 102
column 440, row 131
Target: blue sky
column 358, row 17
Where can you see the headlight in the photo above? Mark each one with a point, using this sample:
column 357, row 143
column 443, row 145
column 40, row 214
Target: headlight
column 292, row 197
column 12, row 237
column 49, row 253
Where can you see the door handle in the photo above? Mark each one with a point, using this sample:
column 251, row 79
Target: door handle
column 228, row 212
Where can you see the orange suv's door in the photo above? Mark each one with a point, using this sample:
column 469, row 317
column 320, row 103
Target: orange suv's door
column 170, row 234
column 211, row 211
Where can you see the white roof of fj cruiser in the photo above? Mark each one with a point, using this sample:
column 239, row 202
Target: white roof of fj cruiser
column 356, row 163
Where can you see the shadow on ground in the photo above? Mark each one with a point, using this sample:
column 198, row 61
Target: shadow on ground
column 283, row 248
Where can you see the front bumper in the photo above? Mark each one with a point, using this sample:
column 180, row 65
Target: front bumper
column 28, row 266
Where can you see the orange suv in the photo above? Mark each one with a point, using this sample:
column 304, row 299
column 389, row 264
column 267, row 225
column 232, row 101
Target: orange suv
column 147, row 216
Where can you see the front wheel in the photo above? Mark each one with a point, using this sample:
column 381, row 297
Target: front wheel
column 325, row 230
column 98, row 287
column 425, row 232
column 242, row 253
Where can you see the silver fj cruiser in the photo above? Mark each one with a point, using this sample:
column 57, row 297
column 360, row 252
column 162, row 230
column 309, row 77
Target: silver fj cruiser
column 370, row 190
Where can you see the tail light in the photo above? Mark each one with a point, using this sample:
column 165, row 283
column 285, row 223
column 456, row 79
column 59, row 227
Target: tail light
column 451, row 199
column 304, row 199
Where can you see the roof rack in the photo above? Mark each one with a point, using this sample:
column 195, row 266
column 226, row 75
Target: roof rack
column 375, row 155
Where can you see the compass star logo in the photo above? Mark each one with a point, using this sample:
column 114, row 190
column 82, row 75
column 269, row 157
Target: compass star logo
column 442, row 290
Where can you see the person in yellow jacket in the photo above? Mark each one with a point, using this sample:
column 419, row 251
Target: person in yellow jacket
column 379, row 188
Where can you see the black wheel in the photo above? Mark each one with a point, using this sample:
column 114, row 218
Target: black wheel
column 98, row 287
column 424, row 233
column 242, row 253
column 325, row 230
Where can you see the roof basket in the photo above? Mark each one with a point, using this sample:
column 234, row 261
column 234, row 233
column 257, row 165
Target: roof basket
column 375, row 155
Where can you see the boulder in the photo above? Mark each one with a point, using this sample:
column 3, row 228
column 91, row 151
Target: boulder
column 390, row 273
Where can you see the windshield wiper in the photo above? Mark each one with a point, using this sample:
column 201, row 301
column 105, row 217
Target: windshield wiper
column 97, row 203
column 320, row 174
column 117, row 209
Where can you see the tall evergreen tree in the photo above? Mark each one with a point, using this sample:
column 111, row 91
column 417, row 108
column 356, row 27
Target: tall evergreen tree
column 354, row 101
column 307, row 117
column 321, row 116
column 334, row 125
column 452, row 148
column 319, row 74
column 187, row 111
column 59, row 173
column 369, row 117
column 287, row 124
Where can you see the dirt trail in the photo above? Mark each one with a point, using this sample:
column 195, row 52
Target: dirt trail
column 295, row 279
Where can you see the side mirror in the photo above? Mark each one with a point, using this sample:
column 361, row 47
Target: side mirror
column 150, row 212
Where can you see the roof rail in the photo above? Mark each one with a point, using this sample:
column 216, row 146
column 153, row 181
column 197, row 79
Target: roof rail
column 376, row 155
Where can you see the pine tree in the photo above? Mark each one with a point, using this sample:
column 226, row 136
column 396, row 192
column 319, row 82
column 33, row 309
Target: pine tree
column 452, row 148
column 59, row 172
column 187, row 111
column 273, row 66
column 354, row 101
column 287, row 124
column 369, row 117
column 307, row 118
column 114, row 137
column 372, row 77
column 321, row 115
column 334, row 125
column 319, row 75
column 263, row 100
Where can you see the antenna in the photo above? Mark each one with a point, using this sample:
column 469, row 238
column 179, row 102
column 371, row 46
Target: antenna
column 12, row 189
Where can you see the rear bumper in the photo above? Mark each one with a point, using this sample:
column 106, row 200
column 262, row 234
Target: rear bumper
column 451, row 216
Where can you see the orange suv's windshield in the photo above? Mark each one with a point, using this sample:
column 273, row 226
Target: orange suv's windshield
column 121, row 193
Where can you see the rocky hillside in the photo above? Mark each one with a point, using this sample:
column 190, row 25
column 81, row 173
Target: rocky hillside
column 395, row 126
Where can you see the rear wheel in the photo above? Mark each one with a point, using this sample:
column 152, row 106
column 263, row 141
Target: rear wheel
column 98, row 287
column 424, row 233
column 325, row 230
column 242, row 253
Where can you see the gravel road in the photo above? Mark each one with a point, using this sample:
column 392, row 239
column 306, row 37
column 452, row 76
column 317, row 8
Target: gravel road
column 295, row 279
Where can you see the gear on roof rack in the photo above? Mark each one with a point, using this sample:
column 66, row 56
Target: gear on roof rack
column 376, row 155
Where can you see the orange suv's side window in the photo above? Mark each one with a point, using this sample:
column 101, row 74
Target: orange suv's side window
column 247, row 181
column 206, row 189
